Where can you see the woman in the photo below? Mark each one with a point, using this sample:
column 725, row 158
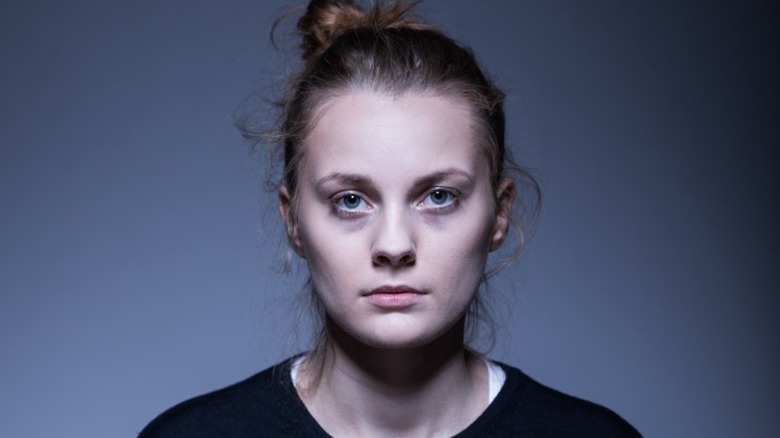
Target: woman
column 394, row 193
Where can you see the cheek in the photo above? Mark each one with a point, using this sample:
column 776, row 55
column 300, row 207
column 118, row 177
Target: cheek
column 463, row 254
column 330, row 261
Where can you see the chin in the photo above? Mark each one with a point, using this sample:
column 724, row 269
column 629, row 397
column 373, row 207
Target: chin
column 401, row 335
column 396, row 342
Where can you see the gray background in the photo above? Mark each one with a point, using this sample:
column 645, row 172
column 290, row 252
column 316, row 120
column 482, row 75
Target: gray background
column 137, row 250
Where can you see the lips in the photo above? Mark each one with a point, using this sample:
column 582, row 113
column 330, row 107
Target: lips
column 394, row 297
column 394, row 290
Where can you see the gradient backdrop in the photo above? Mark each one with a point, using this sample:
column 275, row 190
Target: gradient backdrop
column 137, row 247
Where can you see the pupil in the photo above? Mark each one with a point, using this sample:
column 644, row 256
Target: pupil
column 351, row 201
column 438, row 197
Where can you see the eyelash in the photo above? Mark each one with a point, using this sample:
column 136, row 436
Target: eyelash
column 449, row 204
column 339, row 203
column 343, row 210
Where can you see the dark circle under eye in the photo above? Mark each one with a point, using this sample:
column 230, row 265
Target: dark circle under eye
column 439, row 197
column 351, row 201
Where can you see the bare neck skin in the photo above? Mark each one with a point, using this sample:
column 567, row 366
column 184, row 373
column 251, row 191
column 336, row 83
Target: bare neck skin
column 430, row 391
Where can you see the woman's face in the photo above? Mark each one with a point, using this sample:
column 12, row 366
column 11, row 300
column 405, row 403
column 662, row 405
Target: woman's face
column 395, row 215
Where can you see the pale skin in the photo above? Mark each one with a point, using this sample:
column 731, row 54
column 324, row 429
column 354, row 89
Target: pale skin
column 395, row 215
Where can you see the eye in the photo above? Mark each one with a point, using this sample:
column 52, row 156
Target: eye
column 351, row 203
column 438, row 198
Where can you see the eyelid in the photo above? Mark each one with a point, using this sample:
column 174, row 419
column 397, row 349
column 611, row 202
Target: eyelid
column 453, row 194
column 337, row 199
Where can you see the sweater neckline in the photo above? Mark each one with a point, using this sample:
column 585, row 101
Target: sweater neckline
column 489, row 416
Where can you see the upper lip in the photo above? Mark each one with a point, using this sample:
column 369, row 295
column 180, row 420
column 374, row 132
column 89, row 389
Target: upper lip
column 393, row 290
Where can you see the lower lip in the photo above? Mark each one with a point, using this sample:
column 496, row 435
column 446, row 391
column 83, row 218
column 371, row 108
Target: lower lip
column 394, row 301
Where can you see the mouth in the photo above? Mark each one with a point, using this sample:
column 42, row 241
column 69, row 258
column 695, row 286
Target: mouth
column 394, row 297
column 394, row 290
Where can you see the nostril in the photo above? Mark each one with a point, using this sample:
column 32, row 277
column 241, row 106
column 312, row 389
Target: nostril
column 380, row 260
column 405, row 259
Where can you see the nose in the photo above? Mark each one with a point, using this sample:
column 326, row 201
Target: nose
column 394, row 243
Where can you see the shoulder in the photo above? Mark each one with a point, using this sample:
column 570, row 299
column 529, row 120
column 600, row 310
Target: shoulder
column 525, row 407
column 265, row 402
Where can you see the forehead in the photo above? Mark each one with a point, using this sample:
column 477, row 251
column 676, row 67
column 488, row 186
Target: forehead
column 372, row 132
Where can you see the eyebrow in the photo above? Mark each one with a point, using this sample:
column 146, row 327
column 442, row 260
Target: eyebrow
column 344, row 178
column 442, row 174
column 363, row 180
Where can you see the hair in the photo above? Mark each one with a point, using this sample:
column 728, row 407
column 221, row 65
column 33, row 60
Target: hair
column 384, row 49
column 387, row 49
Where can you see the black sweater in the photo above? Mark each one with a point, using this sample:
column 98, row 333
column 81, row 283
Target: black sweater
column 266, row 405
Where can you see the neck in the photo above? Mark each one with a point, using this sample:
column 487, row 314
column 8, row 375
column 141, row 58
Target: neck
column 430, row 390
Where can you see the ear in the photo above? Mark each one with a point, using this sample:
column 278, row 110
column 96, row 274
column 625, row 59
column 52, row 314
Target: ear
column 289, row 220
column 505, row 197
